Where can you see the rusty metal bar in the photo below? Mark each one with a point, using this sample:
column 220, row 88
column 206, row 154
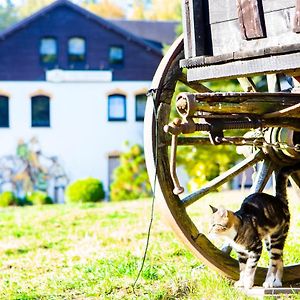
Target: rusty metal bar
column 178, row 189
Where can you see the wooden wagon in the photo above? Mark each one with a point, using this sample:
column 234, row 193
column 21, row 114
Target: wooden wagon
column 226, row 39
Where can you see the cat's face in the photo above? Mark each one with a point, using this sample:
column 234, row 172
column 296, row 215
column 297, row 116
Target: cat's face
column 221, row 221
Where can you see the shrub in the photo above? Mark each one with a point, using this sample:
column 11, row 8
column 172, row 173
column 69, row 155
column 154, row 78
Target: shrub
column 131, row 177
column 38, row 198
column 85, row 190
column 8, row 198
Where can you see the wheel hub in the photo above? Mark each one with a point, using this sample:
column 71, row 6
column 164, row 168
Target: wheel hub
column 283, row 145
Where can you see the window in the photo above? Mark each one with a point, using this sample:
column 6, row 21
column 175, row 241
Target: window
column 140, row 105
column 116, row 55
column 48, row 50
column 116, row 108
column 4, row 112
column 76, row 50
column 40, row 111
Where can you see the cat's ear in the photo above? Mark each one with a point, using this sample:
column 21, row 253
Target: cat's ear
column 213, row 209
column 223, row 211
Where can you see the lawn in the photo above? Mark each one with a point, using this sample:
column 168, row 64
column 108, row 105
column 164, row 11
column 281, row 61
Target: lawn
column 94, row 251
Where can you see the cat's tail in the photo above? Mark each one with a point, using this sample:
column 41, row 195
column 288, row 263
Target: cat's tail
column 282, row 180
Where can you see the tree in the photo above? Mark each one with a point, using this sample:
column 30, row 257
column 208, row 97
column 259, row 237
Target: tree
column 162, row 10
column 106, row 9
column 165, row 10
column 8, row 16
column 131, row 178
column 31, row 6
column 138, row 10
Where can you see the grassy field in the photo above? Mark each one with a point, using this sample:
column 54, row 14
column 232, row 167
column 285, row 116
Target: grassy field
column 94, row 251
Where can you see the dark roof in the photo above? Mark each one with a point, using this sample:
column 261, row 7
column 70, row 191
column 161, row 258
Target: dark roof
column 102, row 22
column 163, row 32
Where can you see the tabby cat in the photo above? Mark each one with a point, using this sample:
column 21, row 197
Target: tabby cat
column 261, row 217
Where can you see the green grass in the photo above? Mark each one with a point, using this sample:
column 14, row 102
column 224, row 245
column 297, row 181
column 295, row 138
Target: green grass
column 94, row 251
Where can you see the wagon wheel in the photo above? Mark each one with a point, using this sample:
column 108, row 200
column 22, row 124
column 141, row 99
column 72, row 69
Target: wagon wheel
column 157, row 144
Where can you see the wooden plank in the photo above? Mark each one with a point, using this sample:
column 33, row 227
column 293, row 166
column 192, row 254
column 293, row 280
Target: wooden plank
column 226, row 36
column 297, row 17
column 196, row 29
column 261, row 292
column 251, row 19
column 245, row 68
column 259, row 103
column 239, row 55
column 225, row 10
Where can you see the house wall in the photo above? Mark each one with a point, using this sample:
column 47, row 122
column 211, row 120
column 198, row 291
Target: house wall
column 79, row 133
column 19, row 50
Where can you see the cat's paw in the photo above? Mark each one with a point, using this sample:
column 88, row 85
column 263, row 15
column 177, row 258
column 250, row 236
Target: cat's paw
column 248, row 284
column 239, row 284
column 277, row 283
column 269, row 284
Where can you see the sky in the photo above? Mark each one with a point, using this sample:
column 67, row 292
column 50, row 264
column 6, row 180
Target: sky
column 119, row 2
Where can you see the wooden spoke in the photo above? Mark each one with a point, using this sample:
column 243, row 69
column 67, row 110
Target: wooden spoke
column 263, row 175
column 225, row 177
column 247, row 84
column 273, row 83
column 197, row 86
column 292, row 111
column 193, row 141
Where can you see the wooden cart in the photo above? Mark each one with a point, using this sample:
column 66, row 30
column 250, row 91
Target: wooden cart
column 226, row 39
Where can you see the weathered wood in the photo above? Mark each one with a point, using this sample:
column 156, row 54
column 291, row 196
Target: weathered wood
column 225, row 10
column 197, row 86
column 189, row 104
column 297, row 17
column 273, row 83
column 239, row 55
column 292, row 111
column 223, row 178
column 262, row 65
column 226, row 36
column 247, row 84
column 196, row 29
column 251, row 19
column 261, row 292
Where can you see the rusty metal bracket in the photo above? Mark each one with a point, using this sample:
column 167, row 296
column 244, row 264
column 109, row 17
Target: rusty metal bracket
column 216, row 131
column 178, row 189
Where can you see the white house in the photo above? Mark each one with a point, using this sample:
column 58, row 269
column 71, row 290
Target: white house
column 77, row 84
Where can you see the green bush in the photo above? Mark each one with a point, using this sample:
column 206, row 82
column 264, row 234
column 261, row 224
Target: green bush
column 38, row 198
column 8, row 198
column 85, row 190
column 131, row 177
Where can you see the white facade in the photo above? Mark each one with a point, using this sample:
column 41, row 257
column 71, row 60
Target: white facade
column 80, row 134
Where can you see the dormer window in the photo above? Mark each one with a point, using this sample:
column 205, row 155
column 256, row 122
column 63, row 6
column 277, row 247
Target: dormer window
column 116, row 55
column 48, row 50
column 76, row 50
